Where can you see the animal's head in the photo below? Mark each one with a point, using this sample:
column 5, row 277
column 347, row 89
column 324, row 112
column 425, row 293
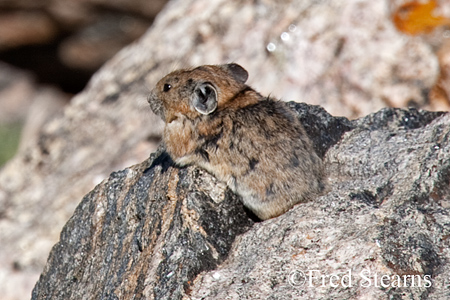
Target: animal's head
column 196, row 92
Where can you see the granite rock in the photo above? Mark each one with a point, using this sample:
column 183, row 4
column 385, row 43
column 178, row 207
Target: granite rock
column 155, row 231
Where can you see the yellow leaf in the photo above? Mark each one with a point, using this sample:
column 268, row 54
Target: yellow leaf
column 417, row 17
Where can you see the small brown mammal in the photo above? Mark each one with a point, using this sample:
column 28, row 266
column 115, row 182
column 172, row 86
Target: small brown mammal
column 253, row 143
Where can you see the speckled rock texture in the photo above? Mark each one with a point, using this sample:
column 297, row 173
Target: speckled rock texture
column 155, row 231
column 343, row 55
column 143, row 231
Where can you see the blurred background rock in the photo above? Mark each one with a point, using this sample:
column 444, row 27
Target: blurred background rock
column 351, row 57
column 49, row 49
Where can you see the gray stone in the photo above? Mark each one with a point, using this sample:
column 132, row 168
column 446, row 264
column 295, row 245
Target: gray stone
column 155, row 231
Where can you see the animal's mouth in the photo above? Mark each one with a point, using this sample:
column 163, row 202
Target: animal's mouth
column 172, row 119
column 155, row 105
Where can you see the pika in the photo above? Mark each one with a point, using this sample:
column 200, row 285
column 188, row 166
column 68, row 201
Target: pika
column 253, row 143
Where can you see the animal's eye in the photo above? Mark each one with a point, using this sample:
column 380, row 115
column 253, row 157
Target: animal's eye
column 167, row 87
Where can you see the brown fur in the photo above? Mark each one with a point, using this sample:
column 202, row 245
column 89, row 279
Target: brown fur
column 255, row 144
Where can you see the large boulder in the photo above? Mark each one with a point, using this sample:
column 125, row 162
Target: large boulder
column 346, row 56
column 156, row 231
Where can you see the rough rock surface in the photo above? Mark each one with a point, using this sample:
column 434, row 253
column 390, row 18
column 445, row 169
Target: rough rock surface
column 154, row 231
column 344, row 55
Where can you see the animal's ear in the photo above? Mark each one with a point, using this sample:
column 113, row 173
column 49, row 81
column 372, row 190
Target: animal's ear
column 204, row 99
column 238, row 72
